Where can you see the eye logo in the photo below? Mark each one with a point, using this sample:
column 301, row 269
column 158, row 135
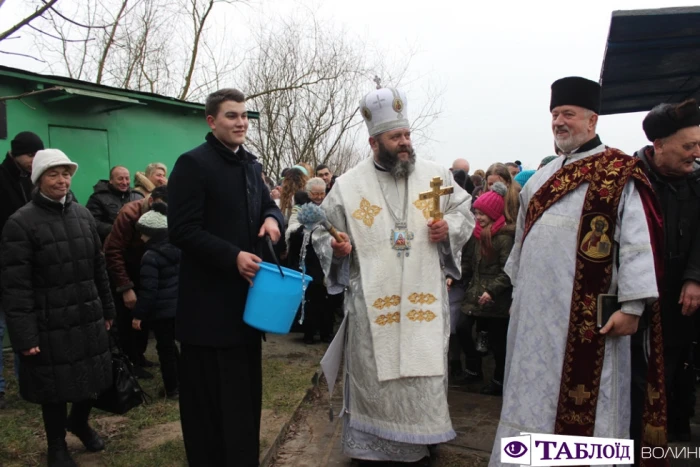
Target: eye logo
column 515, row 449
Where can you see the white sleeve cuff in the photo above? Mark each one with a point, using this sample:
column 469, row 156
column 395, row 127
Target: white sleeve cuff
column 634, row 307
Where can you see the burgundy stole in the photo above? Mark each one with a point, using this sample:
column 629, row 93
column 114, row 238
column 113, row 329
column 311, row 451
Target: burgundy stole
column 607, row 174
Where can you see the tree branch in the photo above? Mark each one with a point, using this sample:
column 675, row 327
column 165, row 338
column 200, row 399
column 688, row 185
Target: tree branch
column 28, row 19
column 198, row 28
column 58, row 38
column 21, row 55
column 108, row 45
column 86, row 26
column 30, row 93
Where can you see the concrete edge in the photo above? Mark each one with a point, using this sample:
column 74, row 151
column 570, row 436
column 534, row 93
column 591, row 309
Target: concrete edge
column 272, row 451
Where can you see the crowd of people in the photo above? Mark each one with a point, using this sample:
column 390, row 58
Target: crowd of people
column 69, row 272
column 433, row 268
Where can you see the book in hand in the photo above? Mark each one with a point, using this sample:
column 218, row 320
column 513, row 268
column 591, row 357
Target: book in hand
column 607, row 305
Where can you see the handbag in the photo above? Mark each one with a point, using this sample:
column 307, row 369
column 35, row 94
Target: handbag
column 125, row 392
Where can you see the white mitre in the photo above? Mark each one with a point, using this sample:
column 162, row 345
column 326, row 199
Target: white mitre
column 384, row 110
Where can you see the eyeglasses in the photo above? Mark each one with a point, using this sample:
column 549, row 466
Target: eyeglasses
column 316, row 194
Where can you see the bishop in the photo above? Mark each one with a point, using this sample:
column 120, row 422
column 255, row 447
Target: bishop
column 397, row 312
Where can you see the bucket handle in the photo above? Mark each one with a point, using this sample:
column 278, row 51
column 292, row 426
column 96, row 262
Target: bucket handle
column 268, row 241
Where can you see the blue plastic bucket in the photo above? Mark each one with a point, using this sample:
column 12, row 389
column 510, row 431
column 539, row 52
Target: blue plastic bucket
column 273, row 300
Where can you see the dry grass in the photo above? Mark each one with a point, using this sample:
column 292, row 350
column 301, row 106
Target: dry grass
column 23, row 442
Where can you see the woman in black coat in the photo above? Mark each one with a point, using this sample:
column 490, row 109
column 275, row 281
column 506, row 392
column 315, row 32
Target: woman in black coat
column 319, row 314
column 58, row 304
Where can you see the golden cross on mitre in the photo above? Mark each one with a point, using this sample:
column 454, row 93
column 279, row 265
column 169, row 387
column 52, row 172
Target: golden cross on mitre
column 436, row 191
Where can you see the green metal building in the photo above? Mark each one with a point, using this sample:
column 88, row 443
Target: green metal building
column 98, row 126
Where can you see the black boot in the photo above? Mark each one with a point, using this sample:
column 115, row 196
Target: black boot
column 469, row 377
column 58, row 455
column 494, row 388
column 455, row 368
column 89, row 437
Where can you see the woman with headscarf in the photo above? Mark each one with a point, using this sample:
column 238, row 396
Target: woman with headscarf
column 58, row 305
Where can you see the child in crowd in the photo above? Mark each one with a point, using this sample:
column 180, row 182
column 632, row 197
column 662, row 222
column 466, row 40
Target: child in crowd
column 488, row 296
column 157, row 299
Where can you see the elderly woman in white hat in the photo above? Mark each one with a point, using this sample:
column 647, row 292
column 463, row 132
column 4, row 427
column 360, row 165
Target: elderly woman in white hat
column 58, row 304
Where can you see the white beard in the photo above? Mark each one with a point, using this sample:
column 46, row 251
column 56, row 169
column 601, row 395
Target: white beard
column 570, row 142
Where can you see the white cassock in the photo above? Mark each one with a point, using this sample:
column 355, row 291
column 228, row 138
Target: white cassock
column 542, row 272
column 396, row 328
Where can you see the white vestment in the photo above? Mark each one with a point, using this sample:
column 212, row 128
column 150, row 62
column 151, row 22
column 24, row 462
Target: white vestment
column 542, row 272
column 388, row 415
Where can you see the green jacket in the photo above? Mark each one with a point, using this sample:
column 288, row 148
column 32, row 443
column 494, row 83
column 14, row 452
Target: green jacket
column 487, row 275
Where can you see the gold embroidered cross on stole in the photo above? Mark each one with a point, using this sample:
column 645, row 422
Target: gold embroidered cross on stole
column 436, row 191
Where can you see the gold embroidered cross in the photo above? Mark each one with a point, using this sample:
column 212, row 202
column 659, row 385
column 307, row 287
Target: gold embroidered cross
column 580, row 394
column 367, row 212
column 434, row 195
column 653, row 395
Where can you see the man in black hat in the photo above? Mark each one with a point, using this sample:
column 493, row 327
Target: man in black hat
column 15, row 192
column 565, row 374
column 670, row 160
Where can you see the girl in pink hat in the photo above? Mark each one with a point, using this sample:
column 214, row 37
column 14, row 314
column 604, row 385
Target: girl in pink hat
column 488, row 295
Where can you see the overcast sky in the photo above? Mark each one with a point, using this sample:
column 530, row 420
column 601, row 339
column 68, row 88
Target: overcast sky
column 495, row 61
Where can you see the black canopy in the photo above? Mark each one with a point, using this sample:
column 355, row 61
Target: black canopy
column 652, row 57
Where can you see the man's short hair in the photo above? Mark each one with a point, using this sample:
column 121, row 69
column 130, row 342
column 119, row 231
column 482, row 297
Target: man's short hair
column 215, row 99
column 160, row 193
column 511, row 164
column 111, row 171
column 153, row 166
column 320, row 167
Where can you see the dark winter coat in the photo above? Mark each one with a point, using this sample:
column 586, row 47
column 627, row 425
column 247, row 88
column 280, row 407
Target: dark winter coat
column 330, row 185
column 15, row 189
column 124, row 248
column 56, row 297
column 105, row 203
column 680, row 205
column 217, row 204
column 488, row 275
column 160, row 270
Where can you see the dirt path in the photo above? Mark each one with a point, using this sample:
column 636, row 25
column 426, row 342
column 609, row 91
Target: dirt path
column 314, row 441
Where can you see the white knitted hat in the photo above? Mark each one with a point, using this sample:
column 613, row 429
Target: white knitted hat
column 153, row 221
column 47, row 158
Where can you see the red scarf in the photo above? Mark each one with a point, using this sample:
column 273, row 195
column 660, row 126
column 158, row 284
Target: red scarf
column 495, row 227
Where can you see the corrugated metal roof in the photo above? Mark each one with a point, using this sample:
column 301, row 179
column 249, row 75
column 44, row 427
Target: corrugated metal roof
column 652, row 56
column 86, row 87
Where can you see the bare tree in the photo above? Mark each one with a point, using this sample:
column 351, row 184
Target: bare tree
column 304, row 77
column 304, row 81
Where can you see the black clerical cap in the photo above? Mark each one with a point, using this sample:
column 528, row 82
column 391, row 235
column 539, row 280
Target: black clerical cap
column 577, row 91
column 666, row 119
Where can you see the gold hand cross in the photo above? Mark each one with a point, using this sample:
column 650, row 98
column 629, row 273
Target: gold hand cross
column 434, row 194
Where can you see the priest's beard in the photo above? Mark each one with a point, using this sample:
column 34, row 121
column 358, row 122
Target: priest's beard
column 571, row 141
column 391, row 162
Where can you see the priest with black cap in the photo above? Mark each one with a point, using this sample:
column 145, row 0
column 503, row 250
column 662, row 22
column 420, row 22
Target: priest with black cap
column 588, row 227
column 670, row 160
